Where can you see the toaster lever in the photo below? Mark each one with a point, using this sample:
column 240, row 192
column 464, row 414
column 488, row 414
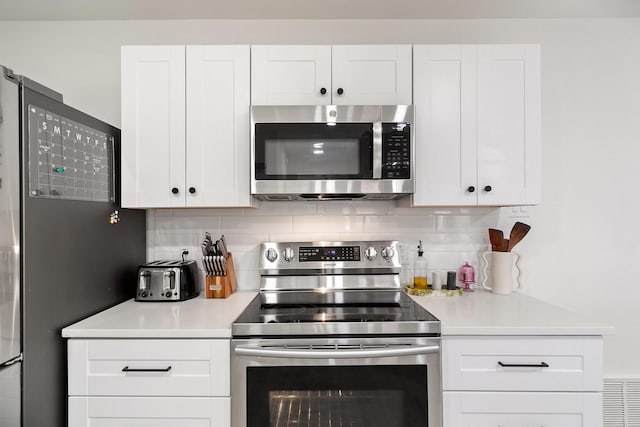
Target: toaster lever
column 168, row 280
column 145, row 275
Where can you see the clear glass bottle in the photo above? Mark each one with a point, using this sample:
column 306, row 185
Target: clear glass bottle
column 420, row 270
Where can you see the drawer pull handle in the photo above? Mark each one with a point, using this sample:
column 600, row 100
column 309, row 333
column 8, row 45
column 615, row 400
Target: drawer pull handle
column 128, row 369
column 518, row 365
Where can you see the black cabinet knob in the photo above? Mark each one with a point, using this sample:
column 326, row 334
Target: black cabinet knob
column 323, row 90
column 340, row 91
column 471, row 189
column 175, row 190
column 192, row 190
column 487, row 188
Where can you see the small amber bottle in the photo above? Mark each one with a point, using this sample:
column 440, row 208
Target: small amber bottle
column 420, row 270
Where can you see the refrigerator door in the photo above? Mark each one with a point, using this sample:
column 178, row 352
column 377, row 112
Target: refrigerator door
column 10, row 395
column 77, row 258
column 9, row 220
column 9, row 302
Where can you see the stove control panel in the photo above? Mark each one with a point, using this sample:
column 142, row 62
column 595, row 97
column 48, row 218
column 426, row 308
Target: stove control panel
column 332, row 253
column 328, row 257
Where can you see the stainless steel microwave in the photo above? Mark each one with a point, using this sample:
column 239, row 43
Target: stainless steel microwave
column 331, row 152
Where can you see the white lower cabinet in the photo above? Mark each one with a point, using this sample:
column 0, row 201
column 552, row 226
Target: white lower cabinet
column 522, row 381
column 520, row 363
column 149, row 382
column 149, row 411
column 522, row 409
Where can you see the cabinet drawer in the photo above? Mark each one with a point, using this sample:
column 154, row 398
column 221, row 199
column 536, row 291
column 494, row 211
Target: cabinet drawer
column 148, row 367
column 491, row 409
column 487, row 363
column 149, row 411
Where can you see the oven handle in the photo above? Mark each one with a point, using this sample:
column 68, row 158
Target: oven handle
column 336, row 354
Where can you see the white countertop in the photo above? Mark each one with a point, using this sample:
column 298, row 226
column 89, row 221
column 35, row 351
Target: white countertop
column 195, row 318
column 478, row 313
column 484, row 313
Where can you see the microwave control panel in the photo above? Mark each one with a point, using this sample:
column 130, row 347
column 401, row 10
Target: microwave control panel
column 396, row 151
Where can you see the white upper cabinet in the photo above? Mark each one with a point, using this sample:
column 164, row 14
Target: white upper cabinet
column 371, row 75
column 477, row 125
column 185, row 126
column 291, row 75
column 509, row 124
column 324, row 75
column 218, row 126
column 444, row 81
column 153, row 127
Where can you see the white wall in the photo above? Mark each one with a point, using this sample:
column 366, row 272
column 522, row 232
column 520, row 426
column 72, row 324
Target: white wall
column 583, row 250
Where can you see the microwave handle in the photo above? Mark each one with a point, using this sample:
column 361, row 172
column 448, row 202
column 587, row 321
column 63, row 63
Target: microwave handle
column 377, row 150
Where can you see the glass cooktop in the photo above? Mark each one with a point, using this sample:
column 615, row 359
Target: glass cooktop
column 342, row 313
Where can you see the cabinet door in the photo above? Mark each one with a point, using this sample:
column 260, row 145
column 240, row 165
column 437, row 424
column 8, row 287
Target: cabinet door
column 153, row 126
column 483, row 409
column 444, row 88
column 371, row 75
column 218, row 126
column 149, row 411
column 509, row 124
column 290, row 75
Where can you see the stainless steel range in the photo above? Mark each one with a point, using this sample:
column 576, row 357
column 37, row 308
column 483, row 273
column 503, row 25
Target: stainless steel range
column 331, row 339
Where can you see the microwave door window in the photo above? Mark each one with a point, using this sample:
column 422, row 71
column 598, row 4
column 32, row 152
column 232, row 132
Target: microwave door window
column 312, row 157
column 308, row 151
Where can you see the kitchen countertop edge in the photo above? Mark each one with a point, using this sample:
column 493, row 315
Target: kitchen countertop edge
column 197, row 318
column 485, row 313
column 479, row 314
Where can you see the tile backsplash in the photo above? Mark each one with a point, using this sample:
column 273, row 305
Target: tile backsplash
column 450, row 236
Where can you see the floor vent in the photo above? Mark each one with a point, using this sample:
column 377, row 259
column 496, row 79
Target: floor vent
column 621, row 402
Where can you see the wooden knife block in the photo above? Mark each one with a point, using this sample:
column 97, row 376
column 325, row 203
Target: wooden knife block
column 222, row 286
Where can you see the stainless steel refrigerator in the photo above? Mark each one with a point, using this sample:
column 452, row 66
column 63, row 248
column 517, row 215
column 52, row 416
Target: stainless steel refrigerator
column 67, row 250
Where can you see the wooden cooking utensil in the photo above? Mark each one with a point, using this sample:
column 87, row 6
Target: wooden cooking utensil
column 518, row 232
column 505, row 246
column 496, row 237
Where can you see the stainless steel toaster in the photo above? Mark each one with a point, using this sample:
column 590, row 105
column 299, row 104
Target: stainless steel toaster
column 167, row 281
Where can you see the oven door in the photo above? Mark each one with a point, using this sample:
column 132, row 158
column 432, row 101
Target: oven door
column 372, row 382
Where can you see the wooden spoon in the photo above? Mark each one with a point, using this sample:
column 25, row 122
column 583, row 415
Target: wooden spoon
column 496, row 238
column 518, row 232
column 505, row 246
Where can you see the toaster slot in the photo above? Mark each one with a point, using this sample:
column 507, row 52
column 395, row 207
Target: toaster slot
column 145, row 280
column 168, row 281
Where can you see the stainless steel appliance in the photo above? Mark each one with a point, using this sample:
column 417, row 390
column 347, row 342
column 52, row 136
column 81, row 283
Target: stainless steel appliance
column 66, row 249
column 167, row 281
column 332, row 152
column 331, row 339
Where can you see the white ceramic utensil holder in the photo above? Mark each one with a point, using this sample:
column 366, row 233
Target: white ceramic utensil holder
column 501, row 275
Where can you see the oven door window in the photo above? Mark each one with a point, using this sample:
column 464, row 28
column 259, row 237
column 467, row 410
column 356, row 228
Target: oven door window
column 309, row 396
column 297, row 151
